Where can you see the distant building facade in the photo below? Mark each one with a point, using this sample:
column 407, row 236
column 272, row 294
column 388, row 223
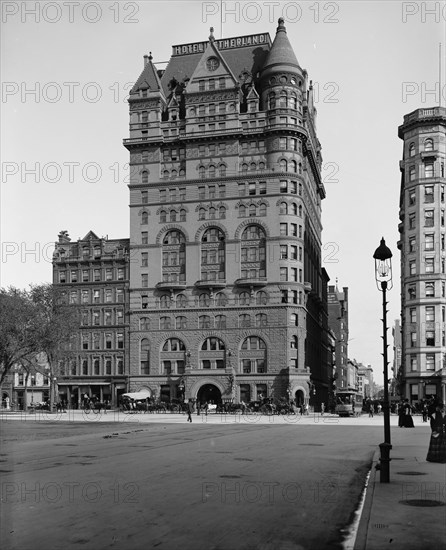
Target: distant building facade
column 422, row 246
column 93, row 275
column 338, row 323
column 396, row 382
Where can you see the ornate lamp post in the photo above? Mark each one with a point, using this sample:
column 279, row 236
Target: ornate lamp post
column 383, row 276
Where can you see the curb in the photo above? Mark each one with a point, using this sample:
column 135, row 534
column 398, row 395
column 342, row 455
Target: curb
column 364, row 521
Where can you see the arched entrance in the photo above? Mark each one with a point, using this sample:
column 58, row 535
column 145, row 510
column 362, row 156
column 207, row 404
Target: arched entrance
column 209, row 393
column 299, row 398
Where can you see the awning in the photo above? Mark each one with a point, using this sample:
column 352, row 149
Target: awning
column 144, row 394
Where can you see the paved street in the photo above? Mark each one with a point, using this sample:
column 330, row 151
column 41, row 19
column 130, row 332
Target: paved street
column 163, row 483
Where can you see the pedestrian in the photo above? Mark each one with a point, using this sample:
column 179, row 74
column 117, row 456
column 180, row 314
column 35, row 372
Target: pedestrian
column 322, row 408
column 198, row 408
column 406, row 415
column 371, row 410
column 379, row 407
column 424, row 411
column 190, row 410
column 205, row 408
column 305, row 407
column 437, row 444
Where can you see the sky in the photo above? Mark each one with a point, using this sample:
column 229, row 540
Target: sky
column 67, row 68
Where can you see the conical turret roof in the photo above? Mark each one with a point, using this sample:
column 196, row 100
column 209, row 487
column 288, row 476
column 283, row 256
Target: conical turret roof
column 281, row 57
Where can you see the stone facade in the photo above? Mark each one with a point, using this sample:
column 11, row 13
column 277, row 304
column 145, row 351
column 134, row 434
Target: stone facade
column 225, row 225
column 423, row 253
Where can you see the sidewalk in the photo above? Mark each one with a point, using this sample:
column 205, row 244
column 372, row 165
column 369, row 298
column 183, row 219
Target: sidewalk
column 387, row 520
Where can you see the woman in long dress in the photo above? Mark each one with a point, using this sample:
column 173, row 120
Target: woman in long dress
column 406, row 416
column 437, row 444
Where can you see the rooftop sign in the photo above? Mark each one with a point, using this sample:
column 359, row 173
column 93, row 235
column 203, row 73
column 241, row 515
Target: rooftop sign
column 223, row 44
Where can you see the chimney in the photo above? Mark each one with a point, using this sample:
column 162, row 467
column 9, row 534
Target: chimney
column 146, row 60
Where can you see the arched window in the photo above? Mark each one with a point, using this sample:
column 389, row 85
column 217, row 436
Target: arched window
column 283, row 208
column 174, row 174
column 163, row 216
column 253, row 355
column 221, row 299
column 212, row 213
column 181, row 322
column 261, row 166
column 293, row 166
column 201, row 172
column 213, row 344
column 244, row 168
column 294, row 342
column 144, row 356
column 283, row 165
column 213, row 254
column 182, row 173
column 181, row 300
column 220, row 321
column 261, row 320
column 294, row 320
column 165, row 301
column 244, row 320
column 272, row 100
column 253, row 343
column 166, row 174
column 144, row 218
column 204, row 300
column 262, row 210
column 244, row 299
column 182, row 215
column 252, row 210
column 261, row 298
column 283, row 100
column 300, row 168
column 242, row 211
column 300, row 210
column 222, row 169
column 173, row 216
column 212, row 171
column 412, row 150
column 174, row 344
column 293, row 102
column 204, row 321
column 145, row 176
column 174, row 256
column 165, row 323
column 294, row 209
column 253, row 167
column 202, row 214
column 222, row 212
column 144, row 323
column 428, row 145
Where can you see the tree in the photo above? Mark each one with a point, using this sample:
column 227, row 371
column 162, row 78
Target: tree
column 56, row 325
column 34, row 322
column 16, row 335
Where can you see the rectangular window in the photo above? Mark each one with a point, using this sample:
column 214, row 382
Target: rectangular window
column 430, row 338
column 413, row 363
column 284, row 252
column 429, row 265
column 144, row 280
column 429, row 241
column 413, row 315
column 428, row 193
column 429, row 290
column 430, row 361
column 412, row 268
column 413, row 339
column 430, row 313
column 428, row 218
column 284, row 229
column 412, row 244
column 283, row 274
column 144, row 237
column 412, row 197
column 283, row 186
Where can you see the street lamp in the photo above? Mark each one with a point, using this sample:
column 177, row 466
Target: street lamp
column 383, row 276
